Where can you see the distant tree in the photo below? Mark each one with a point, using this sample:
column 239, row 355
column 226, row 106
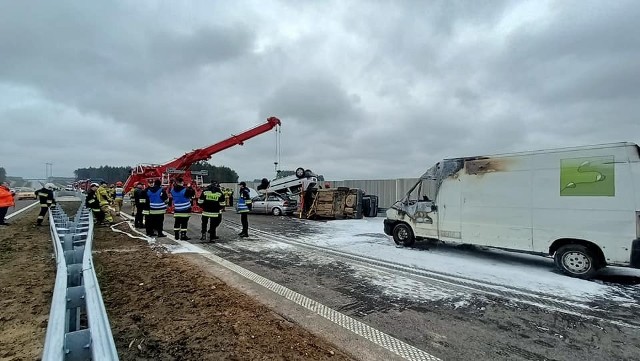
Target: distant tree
column 113, row 174
column 220, row 174
column 3, row 175
column 108, row 173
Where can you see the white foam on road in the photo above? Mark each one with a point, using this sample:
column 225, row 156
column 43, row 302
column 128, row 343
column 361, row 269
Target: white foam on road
column 529, row 272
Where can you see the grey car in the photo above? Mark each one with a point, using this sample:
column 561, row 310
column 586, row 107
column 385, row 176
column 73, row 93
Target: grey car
column 273, row 203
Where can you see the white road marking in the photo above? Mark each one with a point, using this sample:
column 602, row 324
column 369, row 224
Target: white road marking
column 373, row 335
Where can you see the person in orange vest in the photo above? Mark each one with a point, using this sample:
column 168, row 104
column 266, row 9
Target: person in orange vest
column 6, row 201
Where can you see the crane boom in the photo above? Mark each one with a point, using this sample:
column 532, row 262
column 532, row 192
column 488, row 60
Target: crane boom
column 180, row 166
column 197, row 155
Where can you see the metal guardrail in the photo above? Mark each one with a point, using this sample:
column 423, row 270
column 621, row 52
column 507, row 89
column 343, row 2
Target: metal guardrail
column 78, row 326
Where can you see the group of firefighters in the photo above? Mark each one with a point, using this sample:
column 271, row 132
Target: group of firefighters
column 44, row 195
column 150, row 203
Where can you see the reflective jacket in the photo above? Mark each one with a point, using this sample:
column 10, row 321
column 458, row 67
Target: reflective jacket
column 139, row 197
column 103, row 196
column 181, row 199
column 6, row 198
column 244, row 201
column 45, row 196
column 119, row 193
column 211, row 201
column 92, row 200
column 157, row 200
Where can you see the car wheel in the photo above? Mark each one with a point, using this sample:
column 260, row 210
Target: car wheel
column 402, row 234
column 308, row 173
column 300, row 172
column 351, row 200
column 276, row 211
column 576, row 260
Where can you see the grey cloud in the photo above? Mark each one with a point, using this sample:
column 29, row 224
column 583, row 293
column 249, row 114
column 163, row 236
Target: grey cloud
column 316, row 100
column 364, row 89
column 583, row 53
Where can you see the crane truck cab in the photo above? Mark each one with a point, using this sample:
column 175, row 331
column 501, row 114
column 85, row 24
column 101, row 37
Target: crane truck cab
column 580, row 205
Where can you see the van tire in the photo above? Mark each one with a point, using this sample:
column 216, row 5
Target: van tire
column 300, row 172
column 403, row 235
column 576, row 260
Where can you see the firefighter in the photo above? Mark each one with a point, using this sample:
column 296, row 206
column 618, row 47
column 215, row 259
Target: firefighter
column 132, row 200
column 211, row 202
column 119, row 197
column 223, row 203
column 228, row 195
column 181, row 197
column 104, row 200
column 244, row 206
column 45, row 196
column 139, row 202
column 6, row 201
column 157, row 205
column 112, row 191
column 93, row 203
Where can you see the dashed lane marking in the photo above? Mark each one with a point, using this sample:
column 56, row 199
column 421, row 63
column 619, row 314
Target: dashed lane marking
column 378, row 337
column 371, row 334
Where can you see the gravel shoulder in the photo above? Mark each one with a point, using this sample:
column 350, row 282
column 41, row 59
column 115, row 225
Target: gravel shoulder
column 27, row 276
column 164, row 307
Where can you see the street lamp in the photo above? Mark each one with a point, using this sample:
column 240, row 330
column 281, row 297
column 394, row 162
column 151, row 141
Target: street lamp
column 48, row 170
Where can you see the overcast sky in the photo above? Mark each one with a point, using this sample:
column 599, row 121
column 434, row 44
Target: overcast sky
column 364, row 89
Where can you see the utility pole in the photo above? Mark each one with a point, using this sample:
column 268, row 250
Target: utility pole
column 48, row 170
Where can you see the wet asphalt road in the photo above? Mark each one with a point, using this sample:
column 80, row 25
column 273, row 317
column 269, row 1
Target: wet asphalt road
column 20, row 204
column 473, row 326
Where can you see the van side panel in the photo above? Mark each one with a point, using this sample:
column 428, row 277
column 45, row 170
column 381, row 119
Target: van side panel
column 584, row 194
column 496, row 202
column 447, row 225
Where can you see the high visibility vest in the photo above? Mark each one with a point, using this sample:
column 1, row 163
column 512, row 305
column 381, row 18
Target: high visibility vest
column 156, row 204
column 103, row 196
column 242, row 206
column 181, row 204
column 6, row 198
column 209, row 207
column 119, row 193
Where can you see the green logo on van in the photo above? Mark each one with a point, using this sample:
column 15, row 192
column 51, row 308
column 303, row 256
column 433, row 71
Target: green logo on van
column 592, row 176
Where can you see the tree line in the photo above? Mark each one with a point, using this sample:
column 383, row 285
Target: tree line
column 14, row 181
column 112, row 174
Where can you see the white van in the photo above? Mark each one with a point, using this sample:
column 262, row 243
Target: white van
column 581, row 205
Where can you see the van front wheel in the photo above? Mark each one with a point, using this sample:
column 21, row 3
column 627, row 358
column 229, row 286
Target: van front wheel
column 576, row 260
column 402, row 234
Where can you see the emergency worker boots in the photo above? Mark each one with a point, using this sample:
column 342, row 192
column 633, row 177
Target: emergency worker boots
column 181, row 235
column 212, row 237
